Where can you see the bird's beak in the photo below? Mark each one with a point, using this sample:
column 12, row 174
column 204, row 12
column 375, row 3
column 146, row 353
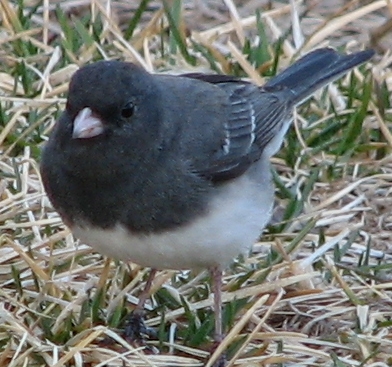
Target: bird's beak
column 86, row 125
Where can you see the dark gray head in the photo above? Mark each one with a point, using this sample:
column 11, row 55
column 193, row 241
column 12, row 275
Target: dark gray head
column 115, row 93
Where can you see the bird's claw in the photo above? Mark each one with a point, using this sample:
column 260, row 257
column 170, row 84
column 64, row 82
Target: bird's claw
column 222, row 360
column 136, row 329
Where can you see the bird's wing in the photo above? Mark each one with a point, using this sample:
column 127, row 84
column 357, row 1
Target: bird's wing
column 255, row 116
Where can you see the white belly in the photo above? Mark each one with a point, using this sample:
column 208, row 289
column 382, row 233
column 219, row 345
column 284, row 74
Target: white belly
column 233, row 223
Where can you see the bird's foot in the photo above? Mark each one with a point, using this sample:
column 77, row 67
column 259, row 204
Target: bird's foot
column 136, row 330
column 222, row 360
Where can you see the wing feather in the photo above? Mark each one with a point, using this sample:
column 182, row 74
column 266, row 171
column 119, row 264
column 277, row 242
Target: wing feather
column 255, row 116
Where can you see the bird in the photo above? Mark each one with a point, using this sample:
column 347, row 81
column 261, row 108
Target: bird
column 173, row 171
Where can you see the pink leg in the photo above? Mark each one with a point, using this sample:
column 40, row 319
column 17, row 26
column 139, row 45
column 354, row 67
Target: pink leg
column 216, row 274
column 145, row 293
column 135, row 328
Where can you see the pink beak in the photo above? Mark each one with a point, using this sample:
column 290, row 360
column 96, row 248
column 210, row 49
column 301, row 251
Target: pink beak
column 86, row 125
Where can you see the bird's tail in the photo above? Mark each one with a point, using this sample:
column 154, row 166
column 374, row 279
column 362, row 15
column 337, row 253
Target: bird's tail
column 315, row 70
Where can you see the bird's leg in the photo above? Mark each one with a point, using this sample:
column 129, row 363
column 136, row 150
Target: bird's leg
column 135, row 328
column 216, row 275
column 146, row 291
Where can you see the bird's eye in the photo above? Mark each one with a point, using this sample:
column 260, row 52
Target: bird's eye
column 128, row 110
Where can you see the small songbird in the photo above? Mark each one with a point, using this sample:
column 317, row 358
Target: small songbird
column 173, row 172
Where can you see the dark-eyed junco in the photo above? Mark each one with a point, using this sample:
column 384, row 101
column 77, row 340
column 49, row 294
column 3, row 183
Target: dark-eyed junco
column 173, row 171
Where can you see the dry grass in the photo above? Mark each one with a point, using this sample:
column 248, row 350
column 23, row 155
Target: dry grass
column 316, row 289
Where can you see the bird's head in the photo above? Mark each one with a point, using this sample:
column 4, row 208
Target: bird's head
column 109, row 98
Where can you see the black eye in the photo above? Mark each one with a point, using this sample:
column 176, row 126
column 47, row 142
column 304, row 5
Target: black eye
column 127, row 110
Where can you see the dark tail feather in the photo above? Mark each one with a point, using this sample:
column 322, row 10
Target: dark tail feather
column 316, row 70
